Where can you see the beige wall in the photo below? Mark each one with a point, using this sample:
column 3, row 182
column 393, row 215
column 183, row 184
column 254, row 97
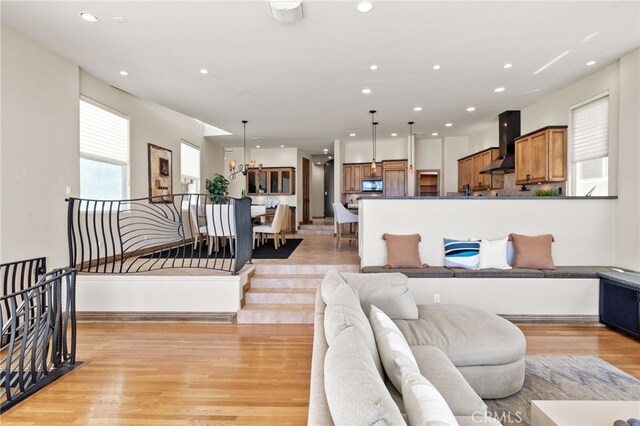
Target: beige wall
column 386, row 149
column 317, row 190
column 39, row 149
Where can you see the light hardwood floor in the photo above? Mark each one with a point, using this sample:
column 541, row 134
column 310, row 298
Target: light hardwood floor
column 186, row 373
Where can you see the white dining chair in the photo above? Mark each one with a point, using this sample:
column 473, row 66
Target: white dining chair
column 343, row 216
column 198, row 225
column 221, row 224
column 275, row 228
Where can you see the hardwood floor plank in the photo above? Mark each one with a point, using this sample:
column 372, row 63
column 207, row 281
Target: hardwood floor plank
column 204, row 374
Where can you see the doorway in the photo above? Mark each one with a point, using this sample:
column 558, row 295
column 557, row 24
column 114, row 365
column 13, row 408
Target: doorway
column 306, row 178
column 328, row 189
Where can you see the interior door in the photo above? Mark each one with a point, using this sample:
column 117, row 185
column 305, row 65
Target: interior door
column 395, row 183
column 306, row 169
column 328, row 188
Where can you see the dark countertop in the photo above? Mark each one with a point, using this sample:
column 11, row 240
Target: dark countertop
column 628, row 279
column 462, row 197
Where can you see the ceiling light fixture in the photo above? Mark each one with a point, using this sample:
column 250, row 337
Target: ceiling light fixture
column 281, row 146
column 373, row 138
column 507, row 66
column 124, row 73
column 434, row 134
column 436, row 67
column 352, row 134
column 244, row 167
column 448, row 125
column 591, row 63
column 499, row 89
column 286, row 11
column 258, row 146
column 119, row 19
column 329, row 157
column 364, row 6
column 366, row 91
column 89, row 17
column 204, row 71
column 411, row 146
column 471, row 109
column 589, row 37
column 417, row 109
column 553, row 61
column 394, row 134
column 326, row 150
column 373, row 67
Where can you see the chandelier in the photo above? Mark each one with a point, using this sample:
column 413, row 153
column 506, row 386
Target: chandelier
column 244, row 167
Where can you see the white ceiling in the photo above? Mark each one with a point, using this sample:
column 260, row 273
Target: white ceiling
column 300, row 84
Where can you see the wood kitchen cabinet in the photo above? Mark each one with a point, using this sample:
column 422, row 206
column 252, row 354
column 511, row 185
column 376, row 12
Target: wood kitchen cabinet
column 541, row 156
column 271, row 181
column 369, row 173
column 469, row 171
column 352, row 178
column 394, row 174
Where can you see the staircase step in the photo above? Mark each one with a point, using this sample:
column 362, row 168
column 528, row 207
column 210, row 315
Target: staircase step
column 254, row 313
column 280, row 269
column 314, row 232
column 317, row 227
column 285, row 281
column 281, row 296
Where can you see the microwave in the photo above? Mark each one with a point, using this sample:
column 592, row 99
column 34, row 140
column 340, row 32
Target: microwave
column 372, row 185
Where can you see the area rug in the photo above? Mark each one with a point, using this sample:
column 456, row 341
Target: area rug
column 564, row 378
column 265, row 251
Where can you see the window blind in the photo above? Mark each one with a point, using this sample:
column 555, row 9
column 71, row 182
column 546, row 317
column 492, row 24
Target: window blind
column 189, row 161
column 103, row 134
column 590, row 130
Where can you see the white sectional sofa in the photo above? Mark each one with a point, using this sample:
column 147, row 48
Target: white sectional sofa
column 465, row 353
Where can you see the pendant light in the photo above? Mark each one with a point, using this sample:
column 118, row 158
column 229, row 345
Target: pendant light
column 373, row 139
column 411, row 146
column 244, row 167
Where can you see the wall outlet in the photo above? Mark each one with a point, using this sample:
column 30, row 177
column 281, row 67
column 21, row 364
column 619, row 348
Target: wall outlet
column 436, row 298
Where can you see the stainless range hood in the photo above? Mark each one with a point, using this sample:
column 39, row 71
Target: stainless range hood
column 508, row 131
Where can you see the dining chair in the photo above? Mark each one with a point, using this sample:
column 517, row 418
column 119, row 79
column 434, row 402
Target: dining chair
column 343, row 216
column 275, row 228
column 220, row 225
column 198, row 222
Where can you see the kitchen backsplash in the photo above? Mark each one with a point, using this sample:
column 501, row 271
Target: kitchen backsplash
column 512, row 190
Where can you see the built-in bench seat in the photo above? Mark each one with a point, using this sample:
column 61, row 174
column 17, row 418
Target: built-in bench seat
column 568, row 272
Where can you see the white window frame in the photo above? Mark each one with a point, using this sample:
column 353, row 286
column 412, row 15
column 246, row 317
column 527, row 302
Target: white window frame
column 571, row 176
column 182, row 175
column 127, row 164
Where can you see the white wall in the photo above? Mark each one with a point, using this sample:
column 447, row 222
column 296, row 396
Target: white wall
column 583, row 229
column 386, row 149
column 317, row 190
column 39, row 151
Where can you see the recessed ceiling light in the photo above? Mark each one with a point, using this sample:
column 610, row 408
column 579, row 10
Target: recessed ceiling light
column 436, row 67
column 326, row 150
column 366, row 91
column 507, row 66
column 352, row 134
column 448, row 125
column 434, row 134
column 329, row 157
column 471, row 109
column 553, row 61
column 281, row 146
column 124, row 73
column 499, row 89
column 204, row 71
column 257, row 146
column 591, row 63
column 119, row 19
column 417, row 109
column 373, row 67
column 394, row 134
column 88, row 17
column 364, row 7
column 589, row 37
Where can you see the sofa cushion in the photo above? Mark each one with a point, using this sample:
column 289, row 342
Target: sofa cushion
column 497, row 273
column 389, row 292
column 468, row 336
column 402, row 251
column 428, row 272
column 330, row 282
column 461, row 253
column 423, row 403
column 318, row 408
column 355, row 391
column 533, row 251
column 346, row 312
column 392, row 346
column 440, row 371
column 577, row 271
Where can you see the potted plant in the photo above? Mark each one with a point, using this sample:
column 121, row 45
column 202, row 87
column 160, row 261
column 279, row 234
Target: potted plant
column 218, row 187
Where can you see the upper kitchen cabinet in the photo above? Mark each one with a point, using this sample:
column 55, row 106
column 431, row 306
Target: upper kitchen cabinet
column 541, row 156
column 370, row 173
column 271, row 181
column 469, row 171
column 395, row 178
column 352, row 178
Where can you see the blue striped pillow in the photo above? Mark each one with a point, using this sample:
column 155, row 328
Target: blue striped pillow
column 461, row 254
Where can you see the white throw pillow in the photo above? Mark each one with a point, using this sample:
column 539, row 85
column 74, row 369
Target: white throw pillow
column 392, row 346
column 493, row 254
column 423, row 404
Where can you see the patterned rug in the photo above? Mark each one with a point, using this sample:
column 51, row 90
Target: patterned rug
column 564, row 378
